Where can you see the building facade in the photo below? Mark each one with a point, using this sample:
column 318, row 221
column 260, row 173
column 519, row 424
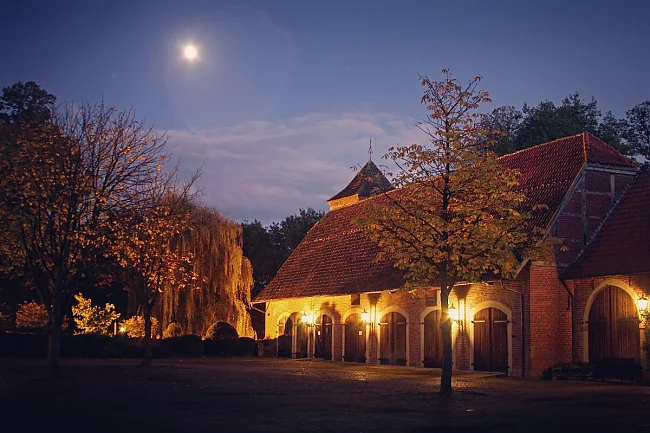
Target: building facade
column 332, row 299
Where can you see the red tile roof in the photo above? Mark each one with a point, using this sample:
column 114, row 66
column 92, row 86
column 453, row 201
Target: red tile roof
column 368, row 181
column 335, row 258
column 622, row 246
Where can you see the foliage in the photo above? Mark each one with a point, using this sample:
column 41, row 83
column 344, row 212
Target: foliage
column 457, row 214
column 221, row 331
column 90, row 319
column 517, row 130
column 69, row 178
column 636, row 129
column 32, row 316
column 146, row 244
column 134, row 326
column 645, row 316
column 173, row 330
column 25, row 103
column 269, row 247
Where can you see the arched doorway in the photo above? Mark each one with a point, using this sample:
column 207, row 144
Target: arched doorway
column 613, row 326
column 392, row 339
column 302, row 339
column 490, row 340
column 323, row 331
column 285, row 336
column 432, row 350
column 355, row 339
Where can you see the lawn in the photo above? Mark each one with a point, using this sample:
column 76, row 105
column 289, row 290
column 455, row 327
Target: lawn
column 222, row 395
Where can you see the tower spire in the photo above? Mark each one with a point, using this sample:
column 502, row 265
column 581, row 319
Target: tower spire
column 370, row 149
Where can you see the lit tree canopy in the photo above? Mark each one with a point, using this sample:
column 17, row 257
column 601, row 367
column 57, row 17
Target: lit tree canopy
column 457, row 214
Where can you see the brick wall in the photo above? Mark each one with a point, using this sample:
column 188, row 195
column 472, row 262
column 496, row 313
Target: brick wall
column 549, row 319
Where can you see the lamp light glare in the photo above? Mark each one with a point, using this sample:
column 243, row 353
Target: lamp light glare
column 365, row 316
column 642, row 303
column 453, row 313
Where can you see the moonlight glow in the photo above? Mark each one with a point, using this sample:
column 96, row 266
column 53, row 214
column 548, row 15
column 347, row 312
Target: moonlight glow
column 190, row 52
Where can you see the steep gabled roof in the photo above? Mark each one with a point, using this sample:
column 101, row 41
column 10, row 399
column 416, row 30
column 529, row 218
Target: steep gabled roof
column 368, row 181
column 335, row 258
column 622, row 246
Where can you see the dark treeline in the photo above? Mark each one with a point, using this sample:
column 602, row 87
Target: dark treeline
column 547, row 121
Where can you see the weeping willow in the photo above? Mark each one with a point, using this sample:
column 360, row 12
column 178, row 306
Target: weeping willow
column 224, row 278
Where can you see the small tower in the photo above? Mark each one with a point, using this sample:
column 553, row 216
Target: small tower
column 367, row 182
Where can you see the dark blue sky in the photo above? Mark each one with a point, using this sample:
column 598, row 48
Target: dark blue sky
column 286, row 93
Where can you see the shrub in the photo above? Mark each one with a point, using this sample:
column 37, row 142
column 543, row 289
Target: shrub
column 134, row 327
column 186, row 345
column 221, row 331
column 91, row 319
column 32, row 316
column 173, row 330
column 567, row 369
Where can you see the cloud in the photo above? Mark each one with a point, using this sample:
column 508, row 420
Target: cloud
column 267, row 170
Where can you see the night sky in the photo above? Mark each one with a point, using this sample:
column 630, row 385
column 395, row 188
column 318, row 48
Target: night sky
column 285, row 94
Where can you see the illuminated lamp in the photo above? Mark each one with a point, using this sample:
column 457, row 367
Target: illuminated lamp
column 642, row 303
column 122, row 329
column 365, row 316
column 305, row 318
column 453, row 313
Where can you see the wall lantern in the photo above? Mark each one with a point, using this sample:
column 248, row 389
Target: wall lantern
column 365, row 316
column 122, row 329
column 642, row 303
column 453, row 313
column 304, row 318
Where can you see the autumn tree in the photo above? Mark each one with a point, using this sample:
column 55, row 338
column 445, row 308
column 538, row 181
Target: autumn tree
column 457, row 214
column 69, row 177
column 147, row 244
column 91, row 319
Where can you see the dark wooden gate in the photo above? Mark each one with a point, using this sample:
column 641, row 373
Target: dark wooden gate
column 355, row 339
column 302, row 340
column 432, row 340
column 323, row 346
column 392, row 339
column 285, row 334
column 491, row 340
column 613, row 326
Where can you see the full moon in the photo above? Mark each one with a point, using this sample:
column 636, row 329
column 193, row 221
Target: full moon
column 190, row 52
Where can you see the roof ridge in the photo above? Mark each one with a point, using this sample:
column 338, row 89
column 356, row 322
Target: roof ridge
column 604, row 220
column 539, row 145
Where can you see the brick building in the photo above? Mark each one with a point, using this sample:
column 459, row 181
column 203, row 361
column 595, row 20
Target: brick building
column 333, row 300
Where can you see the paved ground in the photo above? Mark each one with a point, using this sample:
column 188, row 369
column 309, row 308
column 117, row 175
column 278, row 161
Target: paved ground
column 223, row 395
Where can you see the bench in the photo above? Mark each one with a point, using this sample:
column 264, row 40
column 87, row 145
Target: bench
column 618, row 368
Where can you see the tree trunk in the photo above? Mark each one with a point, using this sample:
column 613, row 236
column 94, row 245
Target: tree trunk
column 445, row 327
column 146, row 359
column 54, row 340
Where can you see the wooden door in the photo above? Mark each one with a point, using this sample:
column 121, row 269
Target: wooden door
column 490, row 340
column 392, row 338
column 432, row 340
column 285, row 334
column 355, row 339
column 323, row 346
column 613, row 326
column 302, row 340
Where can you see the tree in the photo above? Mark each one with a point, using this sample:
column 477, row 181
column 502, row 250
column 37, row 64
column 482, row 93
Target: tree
column 457, row 214
column 636, row 129
column 90, row 319
column 504, row 122
column 69, row 178
column 25, row 103
column 609, row 130
column 32, row 316
column 147, row 246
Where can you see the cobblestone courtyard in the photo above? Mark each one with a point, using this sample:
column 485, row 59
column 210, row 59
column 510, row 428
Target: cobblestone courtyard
column 217, row 395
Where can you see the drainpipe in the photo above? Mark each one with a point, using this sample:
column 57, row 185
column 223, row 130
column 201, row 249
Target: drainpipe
column 253, row 307
column 523, row 328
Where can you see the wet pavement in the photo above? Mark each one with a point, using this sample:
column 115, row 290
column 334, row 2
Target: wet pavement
column 223, row 395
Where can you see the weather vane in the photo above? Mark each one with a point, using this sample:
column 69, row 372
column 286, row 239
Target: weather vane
column 370, row 149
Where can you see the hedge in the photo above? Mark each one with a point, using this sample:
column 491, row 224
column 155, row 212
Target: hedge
column 104, row 346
